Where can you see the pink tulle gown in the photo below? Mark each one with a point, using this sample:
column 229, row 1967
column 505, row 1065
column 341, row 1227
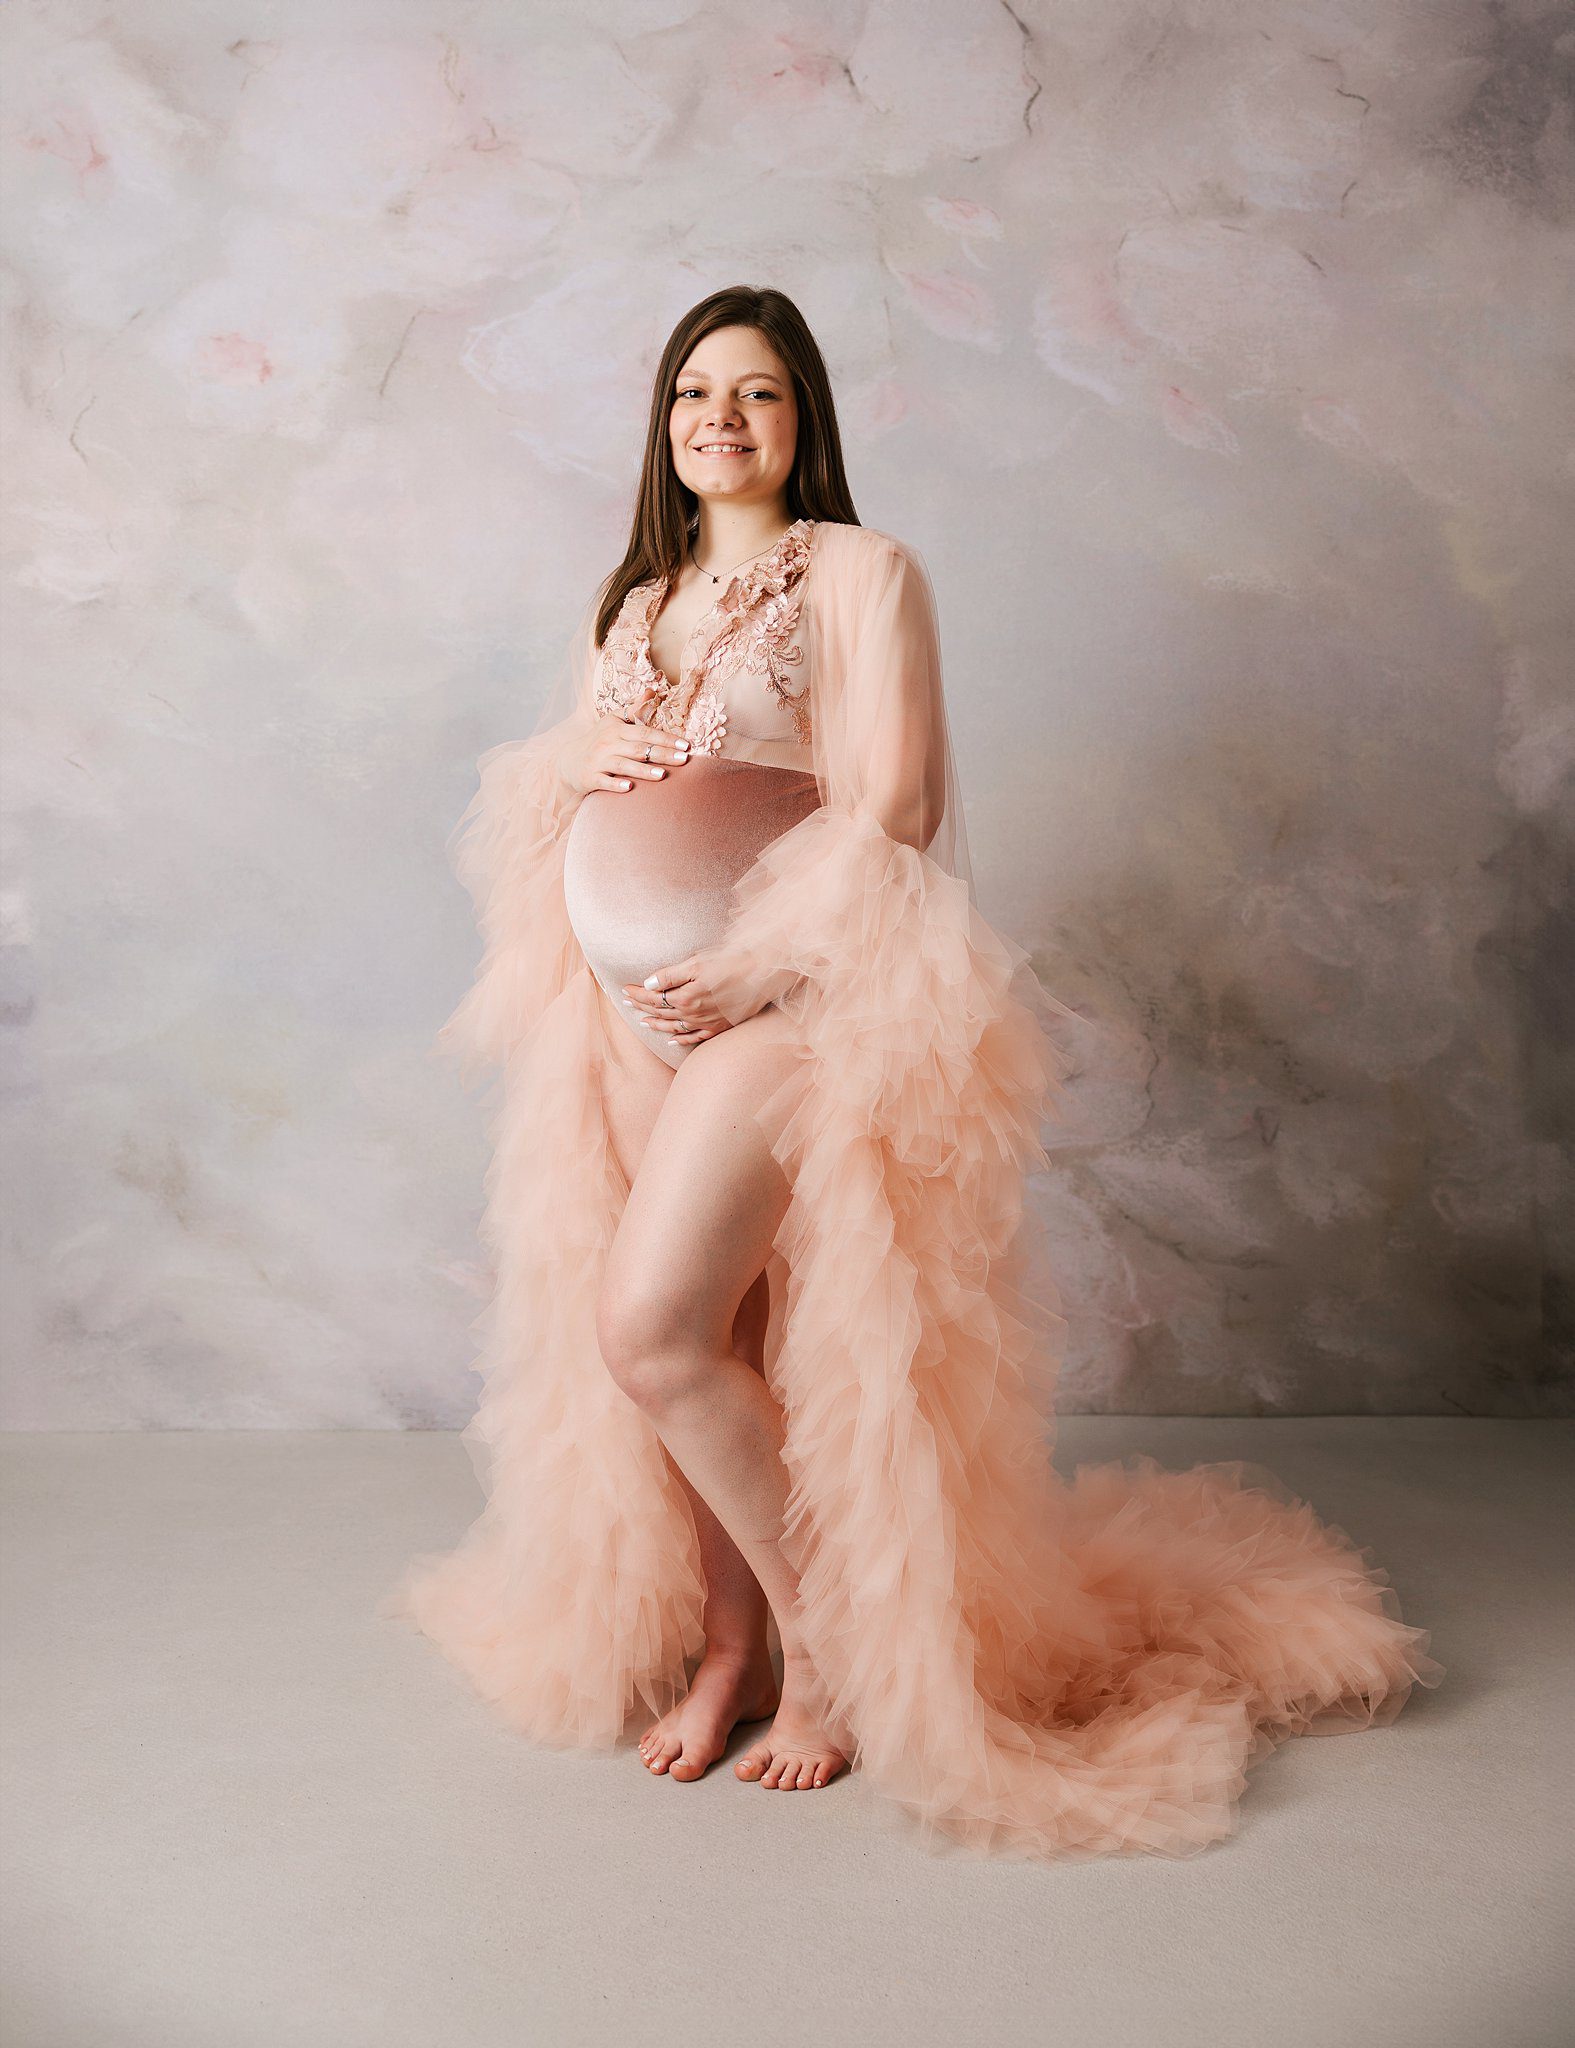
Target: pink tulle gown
column 1028, row 1666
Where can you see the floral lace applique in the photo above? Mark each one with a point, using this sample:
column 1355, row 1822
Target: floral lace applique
column 708, row 723
column 749, row 628
column 625, row 671
column 768, row 650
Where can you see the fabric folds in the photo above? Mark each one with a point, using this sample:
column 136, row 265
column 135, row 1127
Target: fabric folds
column 1026, row 1666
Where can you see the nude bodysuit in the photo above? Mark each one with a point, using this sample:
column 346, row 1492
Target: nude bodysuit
column 647, row 871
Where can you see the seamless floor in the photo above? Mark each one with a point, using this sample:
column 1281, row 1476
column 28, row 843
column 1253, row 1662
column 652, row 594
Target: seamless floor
column 243, row 1811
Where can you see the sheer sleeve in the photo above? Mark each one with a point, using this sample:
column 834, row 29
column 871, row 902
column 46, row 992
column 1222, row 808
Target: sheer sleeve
column 889, row 759
column 888, row 836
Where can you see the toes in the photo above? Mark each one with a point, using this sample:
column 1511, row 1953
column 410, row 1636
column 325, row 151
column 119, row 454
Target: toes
column 687, row 1766
column 787, row 1772
column 662, row 1756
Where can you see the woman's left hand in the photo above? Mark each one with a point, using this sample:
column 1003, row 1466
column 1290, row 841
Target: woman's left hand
column 691, row 1013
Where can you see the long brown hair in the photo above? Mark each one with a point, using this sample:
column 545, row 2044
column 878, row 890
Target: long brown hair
column 667, row 512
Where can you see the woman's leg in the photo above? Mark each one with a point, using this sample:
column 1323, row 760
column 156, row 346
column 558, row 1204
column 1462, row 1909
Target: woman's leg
column 698, row 1229
column 734, row 1680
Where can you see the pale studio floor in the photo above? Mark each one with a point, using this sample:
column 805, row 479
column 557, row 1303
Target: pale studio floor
column 245, row 1812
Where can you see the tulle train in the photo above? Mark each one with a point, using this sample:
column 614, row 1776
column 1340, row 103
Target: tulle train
column 1027, row 1666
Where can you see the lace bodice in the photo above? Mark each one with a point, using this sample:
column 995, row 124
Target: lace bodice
column 742, row 673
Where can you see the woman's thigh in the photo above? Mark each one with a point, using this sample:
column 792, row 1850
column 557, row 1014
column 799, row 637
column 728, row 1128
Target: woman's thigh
column 635, row 1081
column 706, row 1202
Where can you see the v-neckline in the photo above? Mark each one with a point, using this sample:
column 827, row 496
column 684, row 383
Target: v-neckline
column 762, row 566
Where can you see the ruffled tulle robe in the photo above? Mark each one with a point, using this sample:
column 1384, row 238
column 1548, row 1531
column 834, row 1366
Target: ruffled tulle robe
column 1026, row 1665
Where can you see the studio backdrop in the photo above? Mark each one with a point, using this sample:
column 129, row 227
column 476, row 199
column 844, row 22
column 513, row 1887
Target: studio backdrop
column 1218, row 372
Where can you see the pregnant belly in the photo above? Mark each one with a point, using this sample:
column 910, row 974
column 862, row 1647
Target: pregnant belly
column 647, row 871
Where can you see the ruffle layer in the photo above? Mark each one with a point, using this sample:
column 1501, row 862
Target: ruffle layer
column 1026, row 1666
column 508, row 850
column 579, row 1589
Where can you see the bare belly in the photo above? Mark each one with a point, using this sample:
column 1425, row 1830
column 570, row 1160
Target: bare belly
column 647, row 872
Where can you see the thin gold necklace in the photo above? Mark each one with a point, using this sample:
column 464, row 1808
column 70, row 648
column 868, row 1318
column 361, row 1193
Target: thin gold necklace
column 737, row 565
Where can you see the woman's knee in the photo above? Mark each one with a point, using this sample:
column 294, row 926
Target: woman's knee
column 655, row 1343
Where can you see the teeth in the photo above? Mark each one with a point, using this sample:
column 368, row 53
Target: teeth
column 723, row 448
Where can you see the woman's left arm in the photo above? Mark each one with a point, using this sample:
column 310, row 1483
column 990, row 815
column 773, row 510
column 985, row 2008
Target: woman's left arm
column 888, row 759
column 881, row 758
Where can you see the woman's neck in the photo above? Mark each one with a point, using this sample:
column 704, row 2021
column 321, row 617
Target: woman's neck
column 734, row 534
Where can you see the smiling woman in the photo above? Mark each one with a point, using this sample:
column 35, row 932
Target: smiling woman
column 763, row 401
column 773, row 1336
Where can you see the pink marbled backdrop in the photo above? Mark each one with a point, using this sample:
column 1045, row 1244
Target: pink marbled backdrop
column 1217, row 360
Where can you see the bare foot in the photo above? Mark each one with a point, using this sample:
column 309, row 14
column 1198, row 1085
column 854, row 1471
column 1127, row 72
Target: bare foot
column 796, row 1753
column 725, row 1689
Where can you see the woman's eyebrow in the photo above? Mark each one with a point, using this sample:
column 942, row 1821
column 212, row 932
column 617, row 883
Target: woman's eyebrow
column 747, row 377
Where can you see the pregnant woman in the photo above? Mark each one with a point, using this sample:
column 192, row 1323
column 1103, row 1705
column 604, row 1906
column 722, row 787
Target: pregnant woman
column 771, row 1341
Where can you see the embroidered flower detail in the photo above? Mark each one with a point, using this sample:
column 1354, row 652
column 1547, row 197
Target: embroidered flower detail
column 645, row 675
column 776, row 569
column 626, row 672
column 707, row 726
column 771, row 653
column 755, row 620
column 749, row 628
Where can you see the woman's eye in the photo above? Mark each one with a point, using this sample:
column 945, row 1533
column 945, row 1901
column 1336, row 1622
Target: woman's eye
column 689, row 391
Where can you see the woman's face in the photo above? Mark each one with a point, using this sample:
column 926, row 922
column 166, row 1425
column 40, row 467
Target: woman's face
column 733, row 393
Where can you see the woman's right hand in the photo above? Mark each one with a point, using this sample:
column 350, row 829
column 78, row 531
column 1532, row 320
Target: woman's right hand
column 612, row 752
